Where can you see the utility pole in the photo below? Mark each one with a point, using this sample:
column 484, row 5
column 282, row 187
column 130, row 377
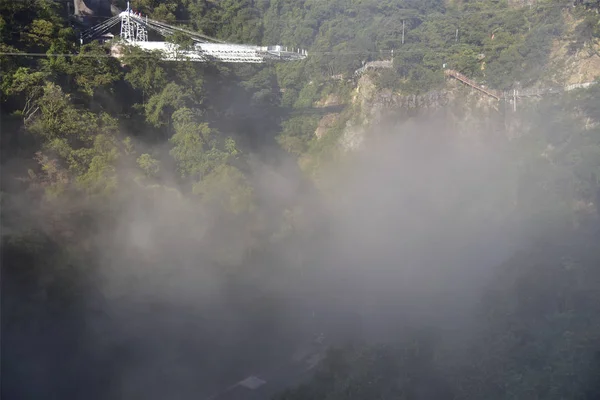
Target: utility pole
column 515, row 100
column 456, row 39
column 402, row 31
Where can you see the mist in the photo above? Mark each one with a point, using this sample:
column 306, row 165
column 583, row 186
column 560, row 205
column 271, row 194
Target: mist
column 404, row 236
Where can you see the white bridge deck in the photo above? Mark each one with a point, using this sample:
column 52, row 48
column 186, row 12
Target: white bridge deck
column 134, row 32
column 221, row 52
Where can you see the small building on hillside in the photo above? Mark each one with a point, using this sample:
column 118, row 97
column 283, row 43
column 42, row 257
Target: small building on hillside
column 107, row 37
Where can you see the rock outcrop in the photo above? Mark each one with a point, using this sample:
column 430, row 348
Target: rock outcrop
column 88, row 8
column 377, row 106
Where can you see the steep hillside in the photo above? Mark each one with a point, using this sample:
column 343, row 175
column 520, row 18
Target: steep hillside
column 535, row 336
column 170, row 228
column 379, row 97
column 576, row 57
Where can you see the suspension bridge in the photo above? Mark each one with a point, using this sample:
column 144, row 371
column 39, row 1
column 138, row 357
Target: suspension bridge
column 513, row 95
column 135, row 28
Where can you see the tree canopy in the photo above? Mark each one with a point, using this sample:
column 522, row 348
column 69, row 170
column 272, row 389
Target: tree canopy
column 114, row 170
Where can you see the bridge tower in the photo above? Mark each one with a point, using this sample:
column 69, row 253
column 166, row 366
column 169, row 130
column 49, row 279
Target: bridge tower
column 131, row 29
column 127, row 28
column 141, row 33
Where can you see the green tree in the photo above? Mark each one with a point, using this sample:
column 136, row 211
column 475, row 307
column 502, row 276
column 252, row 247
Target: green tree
column 28, row 86
column 226, row 187
column 196, row 147
column 93, row 70
column 78, row 146
column 149, row 165
column 162, row 105
column 144, row 71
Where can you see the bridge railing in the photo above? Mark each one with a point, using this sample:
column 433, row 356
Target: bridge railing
column 381, row 64
column 516, row 93
column 472, row 83
column 134, row 32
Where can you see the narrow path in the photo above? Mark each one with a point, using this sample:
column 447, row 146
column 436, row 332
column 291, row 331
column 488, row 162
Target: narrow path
column 457, row 75
column 517, row 93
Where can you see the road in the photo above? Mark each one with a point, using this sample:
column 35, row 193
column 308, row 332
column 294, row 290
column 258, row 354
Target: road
column 264, row 385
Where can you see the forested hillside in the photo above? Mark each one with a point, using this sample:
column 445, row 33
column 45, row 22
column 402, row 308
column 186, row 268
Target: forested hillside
column 169, row 228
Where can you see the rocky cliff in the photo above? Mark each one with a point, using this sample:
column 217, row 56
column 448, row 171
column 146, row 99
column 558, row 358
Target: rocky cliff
column 96, row 8
column 472, row 112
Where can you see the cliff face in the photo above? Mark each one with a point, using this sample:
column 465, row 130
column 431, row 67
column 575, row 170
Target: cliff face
column 467, row 111
column 488, row 123
column 86, row 8
column 381, row 106
column 574, row 59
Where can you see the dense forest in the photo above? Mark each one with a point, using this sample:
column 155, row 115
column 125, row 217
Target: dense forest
column 169, row 228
